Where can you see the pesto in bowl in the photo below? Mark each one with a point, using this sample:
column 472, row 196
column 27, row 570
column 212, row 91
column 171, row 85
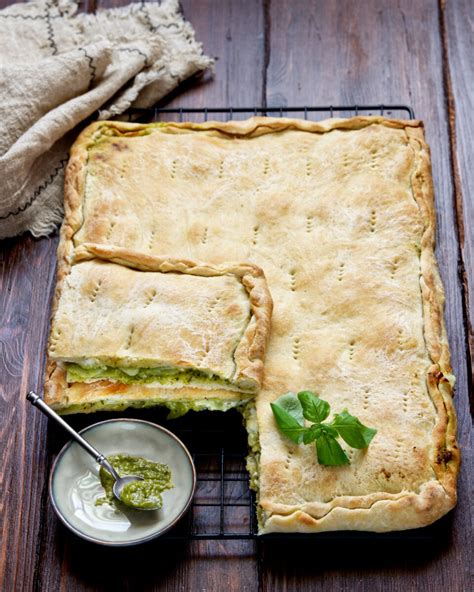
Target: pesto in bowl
column 139, row 495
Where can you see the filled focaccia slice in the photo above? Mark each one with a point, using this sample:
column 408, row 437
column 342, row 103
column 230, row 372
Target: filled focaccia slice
column 130, row 324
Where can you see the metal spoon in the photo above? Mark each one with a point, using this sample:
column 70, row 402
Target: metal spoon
column 120, row 482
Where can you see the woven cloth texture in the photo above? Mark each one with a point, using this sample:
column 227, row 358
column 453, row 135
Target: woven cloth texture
column 59, row 67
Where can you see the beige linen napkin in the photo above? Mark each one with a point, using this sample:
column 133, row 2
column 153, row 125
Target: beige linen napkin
column 59, row 66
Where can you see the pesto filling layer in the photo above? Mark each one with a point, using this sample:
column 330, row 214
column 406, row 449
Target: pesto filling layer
column 249, row 416
column 168, row 376
column 177, row 408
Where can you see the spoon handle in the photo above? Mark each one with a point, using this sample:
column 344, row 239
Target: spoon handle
column 98, row 456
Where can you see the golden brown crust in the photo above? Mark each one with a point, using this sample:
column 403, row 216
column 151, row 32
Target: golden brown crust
column 429, row 489
column 253, row 127
column 446, row 457
column 385, row 513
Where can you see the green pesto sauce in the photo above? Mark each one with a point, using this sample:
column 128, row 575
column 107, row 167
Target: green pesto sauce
column 78, row 373
column 253, row 457
column 144, row 494
column 177, row 408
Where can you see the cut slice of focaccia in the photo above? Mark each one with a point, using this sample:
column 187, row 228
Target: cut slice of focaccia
column 126, row 321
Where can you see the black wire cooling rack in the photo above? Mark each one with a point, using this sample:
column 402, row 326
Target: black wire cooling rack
column 224, row 506
column 305, row 112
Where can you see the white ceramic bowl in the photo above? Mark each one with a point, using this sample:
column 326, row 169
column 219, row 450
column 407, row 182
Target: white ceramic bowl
column 74, row 483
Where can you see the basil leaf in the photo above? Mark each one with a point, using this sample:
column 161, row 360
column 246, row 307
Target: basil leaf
column 288, row 424
column 314, row 408
column 290, row 403
column 329, row 452
column 290, row 412
column 352, row 430
column 311, row 434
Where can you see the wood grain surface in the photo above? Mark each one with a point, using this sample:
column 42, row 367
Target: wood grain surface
column 275, row 52
column 458, row 45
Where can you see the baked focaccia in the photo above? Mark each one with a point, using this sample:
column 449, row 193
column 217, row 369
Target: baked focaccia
column 340, row 217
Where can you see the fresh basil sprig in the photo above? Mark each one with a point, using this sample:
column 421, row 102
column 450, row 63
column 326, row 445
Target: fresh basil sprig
column 291, row 410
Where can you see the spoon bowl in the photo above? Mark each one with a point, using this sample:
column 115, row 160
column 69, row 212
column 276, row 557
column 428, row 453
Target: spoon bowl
column 119, row 485
column 121, row 482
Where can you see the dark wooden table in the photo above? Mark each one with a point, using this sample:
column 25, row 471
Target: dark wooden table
column 271, row 52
